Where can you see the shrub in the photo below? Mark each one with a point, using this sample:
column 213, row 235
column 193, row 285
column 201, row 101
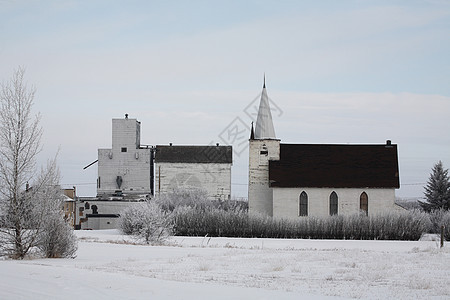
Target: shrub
column 195, row 215
column 57, row 239
column 183, row 198
column 147, row 222
column 440, row 218
column 216, row 222
column 197, row 198
column 232, row 205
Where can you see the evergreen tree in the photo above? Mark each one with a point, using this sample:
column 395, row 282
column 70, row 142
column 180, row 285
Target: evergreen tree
column 437, row 191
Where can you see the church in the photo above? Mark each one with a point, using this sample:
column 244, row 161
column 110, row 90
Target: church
column 284, row 180
column 295, row 180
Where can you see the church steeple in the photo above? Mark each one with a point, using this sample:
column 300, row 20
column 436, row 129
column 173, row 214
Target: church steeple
column 252, row 133
column 264, row 124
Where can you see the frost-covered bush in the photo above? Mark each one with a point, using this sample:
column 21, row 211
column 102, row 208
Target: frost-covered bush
column 57, row 239
column 357, row 227
column 408, row 225
column 147, row 222
column 195, row 215
column 216, row 222
column 440, row 218
column 232, row 205
column 183, row 198
column 34, row 223
column 213, row 221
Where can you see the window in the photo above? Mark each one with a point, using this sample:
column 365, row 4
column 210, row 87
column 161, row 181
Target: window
column 263, row 155
column 124, row 149
column 303, row 205
column 364, row 203
column 333, row 204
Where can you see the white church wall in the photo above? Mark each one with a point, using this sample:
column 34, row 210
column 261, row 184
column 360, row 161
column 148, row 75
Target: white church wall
column 260, row 195
column 214, row 178
column 286, row 201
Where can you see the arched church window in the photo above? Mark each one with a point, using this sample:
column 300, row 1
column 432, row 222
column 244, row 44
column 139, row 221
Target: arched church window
column 333, row 204
column 364, row 203
column 303, row 204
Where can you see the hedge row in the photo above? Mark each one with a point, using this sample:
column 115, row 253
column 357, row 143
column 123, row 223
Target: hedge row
column 408, row 225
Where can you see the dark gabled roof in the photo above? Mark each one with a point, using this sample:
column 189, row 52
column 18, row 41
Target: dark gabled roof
column 335, row 166
column 194, row 154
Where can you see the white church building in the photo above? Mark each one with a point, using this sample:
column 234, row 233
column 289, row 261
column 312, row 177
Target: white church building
column 285, row 180
column 294, row 180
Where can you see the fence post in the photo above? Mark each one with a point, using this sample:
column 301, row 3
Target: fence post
column 442, row 236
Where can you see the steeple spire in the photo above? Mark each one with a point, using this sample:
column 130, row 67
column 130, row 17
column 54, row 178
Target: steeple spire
column 252, row 133
column 264, row 125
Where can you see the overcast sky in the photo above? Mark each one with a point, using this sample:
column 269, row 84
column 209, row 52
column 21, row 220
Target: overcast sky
column 336, row 72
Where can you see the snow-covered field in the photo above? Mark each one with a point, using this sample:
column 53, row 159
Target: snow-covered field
column 109, row 267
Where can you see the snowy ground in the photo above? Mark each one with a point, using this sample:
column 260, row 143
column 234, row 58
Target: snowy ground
column 109, row 267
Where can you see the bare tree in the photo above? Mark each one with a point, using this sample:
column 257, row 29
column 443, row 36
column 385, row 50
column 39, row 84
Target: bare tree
column 25, row 194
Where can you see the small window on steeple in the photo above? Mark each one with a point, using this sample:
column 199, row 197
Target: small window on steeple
column 263, row 155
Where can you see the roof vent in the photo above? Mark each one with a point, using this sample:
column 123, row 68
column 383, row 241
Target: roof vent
column 170, row 144
column 126, row 116
column 217, row 144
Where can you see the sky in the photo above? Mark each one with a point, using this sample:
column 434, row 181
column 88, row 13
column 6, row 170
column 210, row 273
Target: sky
column 358, row 72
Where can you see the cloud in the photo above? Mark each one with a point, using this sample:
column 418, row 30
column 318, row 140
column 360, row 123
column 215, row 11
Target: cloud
column 300, row 45
column 359, row 73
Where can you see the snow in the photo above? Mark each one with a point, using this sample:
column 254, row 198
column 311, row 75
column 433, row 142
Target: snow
column 112, row 266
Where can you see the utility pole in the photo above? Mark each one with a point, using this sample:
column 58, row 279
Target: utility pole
column 74, row 208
